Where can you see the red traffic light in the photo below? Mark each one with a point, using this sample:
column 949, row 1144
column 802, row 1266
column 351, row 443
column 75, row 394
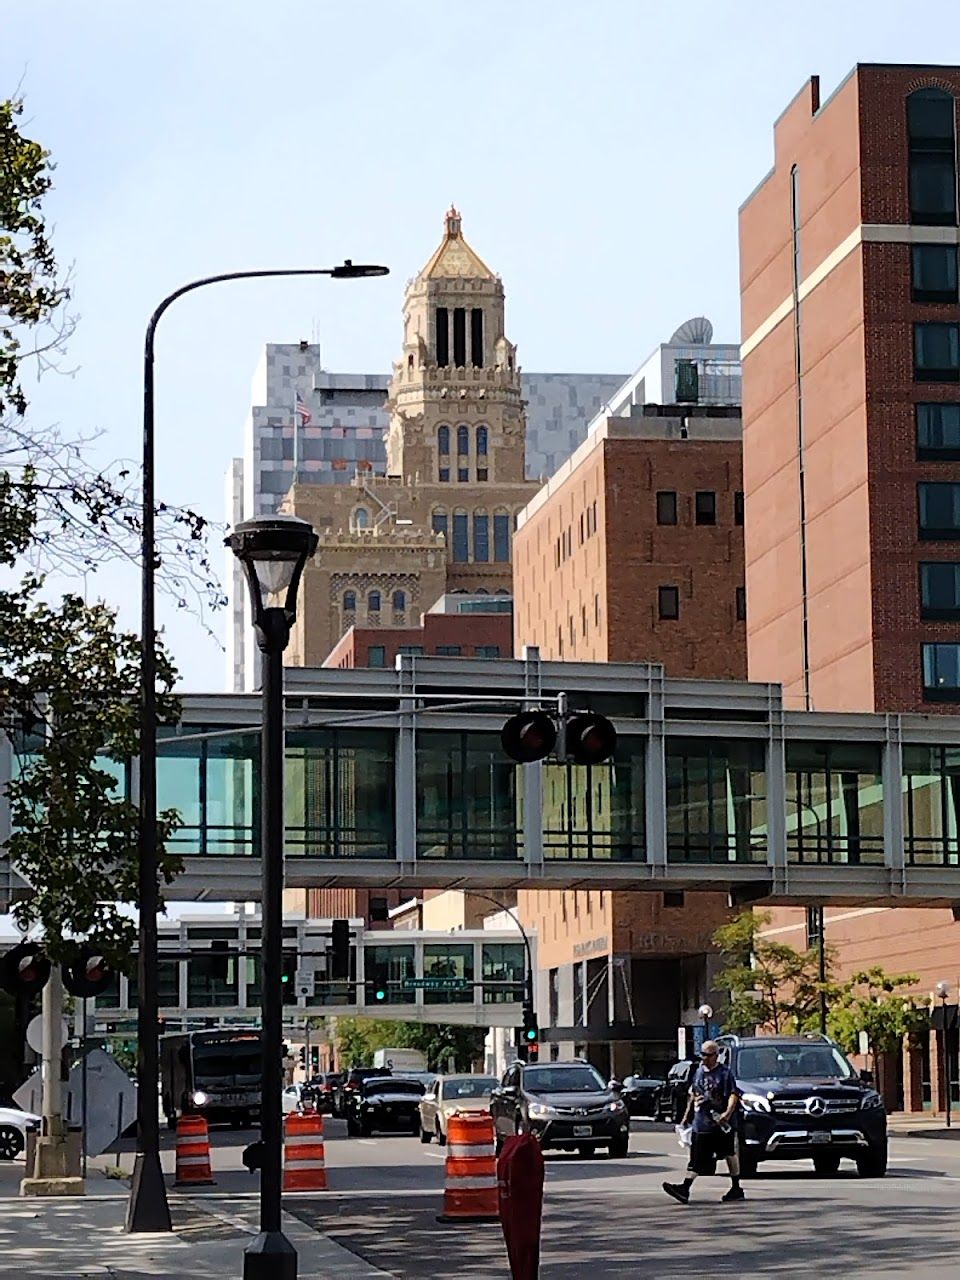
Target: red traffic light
column 24, row 970
column 88, row 974
column 529, row 736
column 590, row 739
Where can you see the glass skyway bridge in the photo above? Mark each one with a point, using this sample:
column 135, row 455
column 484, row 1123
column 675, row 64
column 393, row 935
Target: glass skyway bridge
column 397, row 778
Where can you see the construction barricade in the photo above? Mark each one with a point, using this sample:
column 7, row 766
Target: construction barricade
column 193, row 1153
column 303, row 1163
column 470, row 1190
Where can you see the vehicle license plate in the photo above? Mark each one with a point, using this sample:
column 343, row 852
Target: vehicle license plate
column 583, row 1130
column 821, row 1137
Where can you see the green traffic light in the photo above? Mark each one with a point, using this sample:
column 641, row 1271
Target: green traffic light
column 381, row 995
column 531, row 1033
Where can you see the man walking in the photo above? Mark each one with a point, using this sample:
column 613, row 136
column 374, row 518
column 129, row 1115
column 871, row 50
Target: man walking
column 715, row 1104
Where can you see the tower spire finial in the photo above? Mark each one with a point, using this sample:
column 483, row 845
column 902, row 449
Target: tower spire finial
column 453, row 222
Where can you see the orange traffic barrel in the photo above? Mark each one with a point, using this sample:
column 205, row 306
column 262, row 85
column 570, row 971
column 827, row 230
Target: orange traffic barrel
column 193, row 1153
column 470, row 1190
column 303, row 1166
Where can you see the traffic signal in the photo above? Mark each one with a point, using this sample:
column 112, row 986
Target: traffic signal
column 87, row 974
column 589, row 738
column 531, row 1032
column 529, row 736
column 288, row 972
column 24, row 970
column 340, row 945
column 303, row 1055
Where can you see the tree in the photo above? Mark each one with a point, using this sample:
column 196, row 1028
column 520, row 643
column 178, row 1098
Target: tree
column 770, row 983
column 878, row 1003
column 357, row 1039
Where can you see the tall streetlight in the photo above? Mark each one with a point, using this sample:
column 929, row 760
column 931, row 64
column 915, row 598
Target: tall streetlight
column 147, row 1209
column 273, row 552
column 943, row 992
column 706, row 1013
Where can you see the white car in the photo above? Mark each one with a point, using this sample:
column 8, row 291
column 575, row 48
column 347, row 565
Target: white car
column 291, row 1098
column 448, row 1095
column 14, row 1127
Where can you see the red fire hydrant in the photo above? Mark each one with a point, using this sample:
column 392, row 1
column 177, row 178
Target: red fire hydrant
column 520, row 1190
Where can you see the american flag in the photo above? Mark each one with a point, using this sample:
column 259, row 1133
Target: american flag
column 303, row 412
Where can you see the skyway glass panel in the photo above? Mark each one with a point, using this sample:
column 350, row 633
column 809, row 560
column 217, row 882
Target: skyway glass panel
column 504, row 965
column 212, row 782
column 716, row 800
column 451, row 960
column 834, row 802
column 931, row 805
column 467, row 797
column 386, row 970
column 596, row 811
column 339, row 793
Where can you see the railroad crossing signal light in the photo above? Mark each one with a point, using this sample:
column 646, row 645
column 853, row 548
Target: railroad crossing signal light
column 529, row 736
column 87, row 974
column 589, row 739
column 24, row 970
column 584, row 738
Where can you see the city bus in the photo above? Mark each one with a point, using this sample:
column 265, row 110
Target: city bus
column 215, row 1073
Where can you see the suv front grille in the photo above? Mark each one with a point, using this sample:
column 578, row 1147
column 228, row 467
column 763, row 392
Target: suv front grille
column 798, row 1106
column 581, row 1111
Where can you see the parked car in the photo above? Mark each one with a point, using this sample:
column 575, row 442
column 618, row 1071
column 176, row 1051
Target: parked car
column 14, row 1127
column 292, row 1098
column 383, row 1103
column 448, row 1095
column 676, row 1091
column 802, row 1099
column 641, row 1095
column 566, row 1105
column 352, row 1081
column 423, row 1078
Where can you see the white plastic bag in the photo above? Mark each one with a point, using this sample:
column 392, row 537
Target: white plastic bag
column 684, row 1134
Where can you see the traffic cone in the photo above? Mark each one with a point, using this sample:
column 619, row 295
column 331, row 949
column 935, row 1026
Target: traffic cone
column 303, row 1166
column 470, row 1190
column 193, row 1153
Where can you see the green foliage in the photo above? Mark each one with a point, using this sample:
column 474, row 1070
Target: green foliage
column 878, row 1003
column 357, row 1039
column 770, row 983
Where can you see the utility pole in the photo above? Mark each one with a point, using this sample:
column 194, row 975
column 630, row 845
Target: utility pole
column 56, row 1155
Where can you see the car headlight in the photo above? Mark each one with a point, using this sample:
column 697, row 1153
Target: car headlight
column 755, row 1102
column 540, row 1111
column 615, row 1106
column 871, row 1100
column 200, row 1099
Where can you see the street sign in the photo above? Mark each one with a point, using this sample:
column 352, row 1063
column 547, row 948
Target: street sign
column 35, row 1034
column 435, row 984
column 111, row 1100
column 863, row 1042
column 305, row 983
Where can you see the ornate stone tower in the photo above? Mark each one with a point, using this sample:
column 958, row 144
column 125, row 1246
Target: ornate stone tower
column 456, row 411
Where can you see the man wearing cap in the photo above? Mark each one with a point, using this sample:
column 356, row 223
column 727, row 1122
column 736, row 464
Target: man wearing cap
column 715, row 1104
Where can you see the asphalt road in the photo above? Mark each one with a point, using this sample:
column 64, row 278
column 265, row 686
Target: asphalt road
column 610, row 1218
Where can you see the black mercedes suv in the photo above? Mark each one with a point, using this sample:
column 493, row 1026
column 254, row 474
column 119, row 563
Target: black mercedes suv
column 803, row 1100
column 566, row 1105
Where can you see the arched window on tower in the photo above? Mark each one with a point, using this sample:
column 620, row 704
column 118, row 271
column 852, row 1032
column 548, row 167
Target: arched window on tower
column 438, row 521
column 360, row 518
column 933, row 171
column 349, row 602
column 463, row 440
column 481, row 536
column 481, row 442
column 461, row 537
column 373, row 602
column 443, row 440
column 399, row 602
column 501, row 536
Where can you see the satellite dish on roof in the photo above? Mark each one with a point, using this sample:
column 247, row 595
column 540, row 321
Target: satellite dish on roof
column 696, row 332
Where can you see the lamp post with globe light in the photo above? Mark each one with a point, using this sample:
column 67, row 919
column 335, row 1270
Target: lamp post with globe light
column 706, row 1013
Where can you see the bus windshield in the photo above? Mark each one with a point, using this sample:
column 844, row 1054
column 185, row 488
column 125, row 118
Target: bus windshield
column 237, row 1063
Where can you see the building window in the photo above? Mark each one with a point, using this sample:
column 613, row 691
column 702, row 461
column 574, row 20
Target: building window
column 373, row 602
column 666, row 507
column 443, row 337
column 482, row 435
column 940, row 590
column 349, row 602
column 481, row 537
column 399, row 601
column 669, row 602
column 936, row 352
column 476, row 337
column 461, row 552
column 501, row 537
column 487, row 650
column 376, row 656
column 459, row 337
column 939, row 511
column 360, row 518
column 439, row 522
column 933, row 172
column 448, row 650
column 741, row 604
column 463, row 475
column 463, row 440
column 443, row 440
column 938, row 432
column 482, row 474
column 412, row 650
column 706, row 507
column 935, row 273
column 738, row 507
column 444, row 474
column 941, row 672
column 596, row 610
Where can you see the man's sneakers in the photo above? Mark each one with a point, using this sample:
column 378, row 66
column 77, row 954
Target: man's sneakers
column 735, row 1193
column 678, row 1191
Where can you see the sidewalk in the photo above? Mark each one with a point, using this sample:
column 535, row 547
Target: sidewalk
column 83, row 1239
column 922, row 1124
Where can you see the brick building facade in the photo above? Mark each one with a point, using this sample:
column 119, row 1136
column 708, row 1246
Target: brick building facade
column 450, row 635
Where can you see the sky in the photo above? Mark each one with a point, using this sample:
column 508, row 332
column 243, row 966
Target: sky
column 598, row 153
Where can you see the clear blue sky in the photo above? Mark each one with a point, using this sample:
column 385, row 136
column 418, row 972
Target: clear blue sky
column 598, row 153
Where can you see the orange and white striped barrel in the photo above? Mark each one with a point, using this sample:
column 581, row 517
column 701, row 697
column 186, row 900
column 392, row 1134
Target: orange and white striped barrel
column 470, row 1191
column 193, row 1153
column 303, row 1163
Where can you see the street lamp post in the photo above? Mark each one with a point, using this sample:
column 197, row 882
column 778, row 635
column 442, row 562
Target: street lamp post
column 147, row 1208
column 273, row 552
column 943, row 991
column 706, row 1013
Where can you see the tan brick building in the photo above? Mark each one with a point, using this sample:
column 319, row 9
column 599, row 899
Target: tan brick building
column 442, row 518
column 851, row 415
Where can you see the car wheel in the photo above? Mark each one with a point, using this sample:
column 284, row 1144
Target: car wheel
column 441, row 1136
column 827, row 1163
column 873, row 1162
column 11, row 1142
column 425, row 1135
column 620, row 1147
